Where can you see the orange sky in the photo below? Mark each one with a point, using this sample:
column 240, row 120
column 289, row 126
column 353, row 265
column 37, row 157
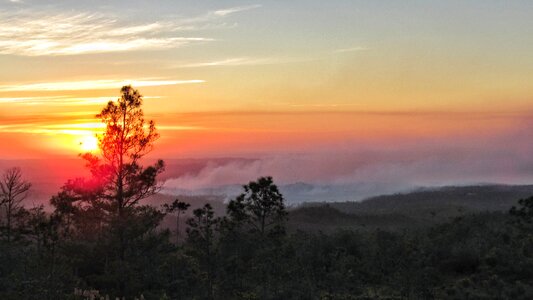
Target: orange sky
column 264, row 77
column 228, row 133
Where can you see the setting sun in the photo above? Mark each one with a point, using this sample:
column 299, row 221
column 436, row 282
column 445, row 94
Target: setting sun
column 89, row 143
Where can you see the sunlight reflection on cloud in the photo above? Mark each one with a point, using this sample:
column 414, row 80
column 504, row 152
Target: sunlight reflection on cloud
column 36, row 33
column 90, row 85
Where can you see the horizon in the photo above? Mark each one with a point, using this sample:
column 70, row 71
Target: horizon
column 391, row 95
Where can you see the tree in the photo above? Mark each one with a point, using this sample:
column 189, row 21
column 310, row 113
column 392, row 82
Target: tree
column 13, row 190
column 201, row 235
column 179, row 207
column 126, row 140
column 256, row 217
column 525, row 211
column 109, row 199
column 260, row 206
column 118, row 182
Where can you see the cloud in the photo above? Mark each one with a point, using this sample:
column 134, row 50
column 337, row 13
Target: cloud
column 29, row 100
column 352, row 49
column 238, row 61
column 61, row 100
column 318, row 105
column 232, row 10
column 207, row 20
column 70, row 126
column 245, row 61
column 90, row 85
column 178, row 127
column 84, row 127
column 38, row 33
column 34, row 33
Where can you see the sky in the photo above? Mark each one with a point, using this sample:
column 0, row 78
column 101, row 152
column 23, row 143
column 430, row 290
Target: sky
column 437, row 85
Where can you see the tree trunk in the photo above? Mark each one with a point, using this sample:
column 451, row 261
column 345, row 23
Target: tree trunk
column 8, row 216
column 178, row 229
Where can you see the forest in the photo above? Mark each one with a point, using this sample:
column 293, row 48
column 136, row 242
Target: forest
column 100, row 240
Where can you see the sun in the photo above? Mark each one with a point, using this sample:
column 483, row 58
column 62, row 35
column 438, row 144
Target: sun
column 89, row 143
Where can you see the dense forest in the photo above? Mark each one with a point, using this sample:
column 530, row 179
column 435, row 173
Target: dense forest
column 101, row 242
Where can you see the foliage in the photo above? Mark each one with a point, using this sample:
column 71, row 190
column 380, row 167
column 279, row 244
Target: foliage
column 260, row 207
column 179, row 208
column 118, row 182
column 101, row 214
column 481, row 256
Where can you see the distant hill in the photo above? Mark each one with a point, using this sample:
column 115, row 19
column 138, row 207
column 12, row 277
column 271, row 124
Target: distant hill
column 408, row 210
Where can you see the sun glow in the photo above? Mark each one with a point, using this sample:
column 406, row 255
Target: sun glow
column 89, row 143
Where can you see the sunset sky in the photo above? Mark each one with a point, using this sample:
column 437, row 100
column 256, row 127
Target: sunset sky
column 229, row 78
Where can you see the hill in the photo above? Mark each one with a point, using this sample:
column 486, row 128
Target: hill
column 422, row 207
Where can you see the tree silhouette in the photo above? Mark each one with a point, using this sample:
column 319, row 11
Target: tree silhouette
column 524, row 211
column 125, row 141
column 260, row 206
column 13, row 190
column 109, row 198
column 258, row 215
column 179, row 207
column 118, row 182
column 201, row 234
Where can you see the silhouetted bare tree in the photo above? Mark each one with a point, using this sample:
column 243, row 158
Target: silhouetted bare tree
column 14, row 189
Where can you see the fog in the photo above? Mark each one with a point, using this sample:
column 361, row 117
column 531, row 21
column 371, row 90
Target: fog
column 372, row 170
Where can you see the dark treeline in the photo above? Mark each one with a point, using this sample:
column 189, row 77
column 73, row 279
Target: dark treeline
column 99, row 237
column 248, row 254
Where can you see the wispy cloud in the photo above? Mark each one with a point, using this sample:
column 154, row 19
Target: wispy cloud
column 71, row 123
column 244, row 61
column 254, row 61
column 238, row 61
column 34, row 33
column 89, row 85
column 16, row 100
column 209, row 20
column 232, row 10
column 81, row 127
column 61, row 100
column 179, row 127
column 318, row 105
column 352, row 49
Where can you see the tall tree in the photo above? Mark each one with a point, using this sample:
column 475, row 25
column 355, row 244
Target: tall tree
column 127, row 138
column 118, row 181
column 179, row 207
column 14, row 189
column 257, row 218
column 201, row 235
column 108, row 200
